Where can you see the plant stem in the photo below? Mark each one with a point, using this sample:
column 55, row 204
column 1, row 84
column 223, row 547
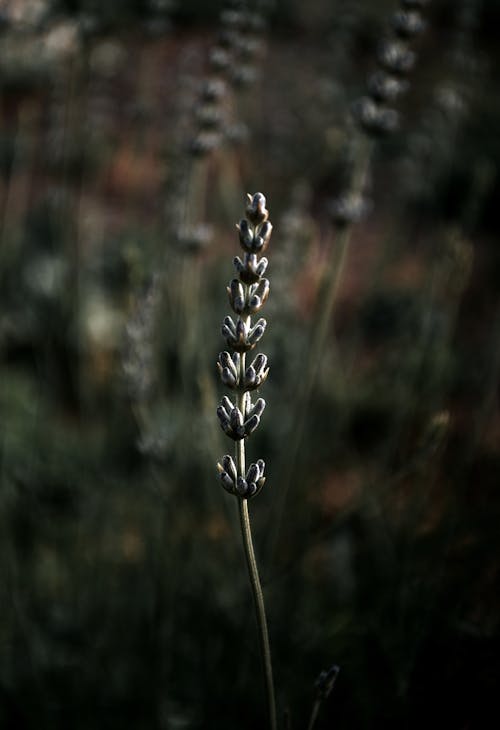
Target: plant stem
column 253, row 573
column 260, row 611
column 314, row 715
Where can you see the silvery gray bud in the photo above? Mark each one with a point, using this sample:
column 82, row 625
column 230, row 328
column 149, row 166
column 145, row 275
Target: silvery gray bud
column 192, row 238
column 262, row 266
column 231, row 362
column 256, row 208
column 373, row 118
column 246, row 234
column 241, row 486
column 262, row 237
column 257, row 409
column 236, row 419
column 236, row 296
column 229, row 466
column 257, row 331
column 220, row 59
column 243, row 76
column 255, row 477
column 227, row 482
column 250, row 269
column 250, row 378
column 258, row 295
column 396, row 57
column 205, row 142
column 228, row 328
column 407, row 23
column 260, row 363
column 232, row 18
column 223, row 417
column 209, row 116
column 347, row 209
column 231, row 420
column 384, row 87
column 213, row 90
column 251, row 424
column 228, row 378
column 237, row 133
column 227, row 404
column 248, row 47
column 237, row 335
column 253, row 473
column 325, row 681
column 256, row 373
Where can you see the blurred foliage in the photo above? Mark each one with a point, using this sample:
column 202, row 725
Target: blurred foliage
column 123, row 594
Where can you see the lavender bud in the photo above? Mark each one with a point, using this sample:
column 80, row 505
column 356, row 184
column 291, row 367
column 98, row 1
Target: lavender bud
column 246, row 235
column 241, row 486
column 227, row 404
column 257, row 331
column 253, row 473
column 227, row 482
column 407, row 23
column 383, row 87
column 220, row 59
column 396, row 57
column 236, row 419
column 213, row 90
column 251, row 424
column 223, row 417
column 243, row 76
column 347, row 209
column 258, row 408
column 229, row 466
column 236, row 296
column 373, row 118
column 250, row 377
column 256, row 208
column 230, row 325
column 251, row 490
column 326, row 680
column 228, row 378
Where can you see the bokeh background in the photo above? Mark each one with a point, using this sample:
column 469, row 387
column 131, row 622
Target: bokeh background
column 124, row 600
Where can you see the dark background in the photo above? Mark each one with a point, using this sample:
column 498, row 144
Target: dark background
column 124, row 600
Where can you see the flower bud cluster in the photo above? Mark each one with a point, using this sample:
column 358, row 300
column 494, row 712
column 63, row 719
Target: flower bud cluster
column 232, row 58
column 395, row 59
column 240, row 42
column 236, row 422
column 245, row 487
column 247, row 294
column 325, row 682
column 210, row 114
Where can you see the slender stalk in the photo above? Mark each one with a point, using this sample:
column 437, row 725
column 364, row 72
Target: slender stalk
column 260, row 611
column 253, row 572
column 314, row 714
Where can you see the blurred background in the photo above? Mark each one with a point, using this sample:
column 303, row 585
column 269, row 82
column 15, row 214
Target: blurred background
column 130, row 133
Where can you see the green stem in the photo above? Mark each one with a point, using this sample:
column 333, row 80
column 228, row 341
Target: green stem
column 314, row 714
column 260, row 611
column 253, row 573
